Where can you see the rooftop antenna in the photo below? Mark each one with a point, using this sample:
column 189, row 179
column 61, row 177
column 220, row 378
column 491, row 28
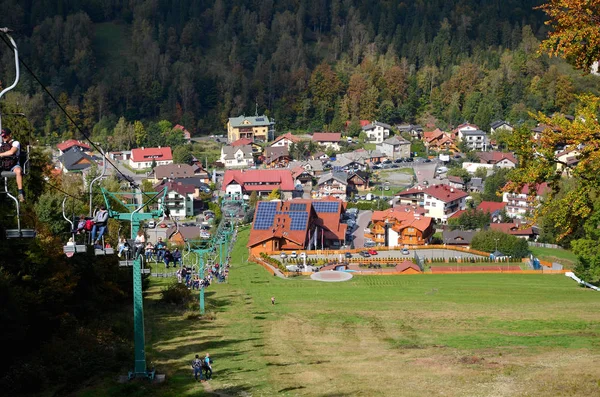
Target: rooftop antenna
column 256, row 108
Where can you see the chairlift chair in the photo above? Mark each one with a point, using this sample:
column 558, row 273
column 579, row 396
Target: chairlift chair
column 23, row 160
column 71, row 249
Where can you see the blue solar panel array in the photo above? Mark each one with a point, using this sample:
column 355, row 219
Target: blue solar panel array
column 326, row 206
column 265, row 215
column 297, row 207
column 299, row 219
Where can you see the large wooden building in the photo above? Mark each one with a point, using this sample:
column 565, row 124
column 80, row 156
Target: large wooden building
column 398, row 226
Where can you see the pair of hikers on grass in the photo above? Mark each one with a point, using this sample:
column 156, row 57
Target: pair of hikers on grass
column 200, row 365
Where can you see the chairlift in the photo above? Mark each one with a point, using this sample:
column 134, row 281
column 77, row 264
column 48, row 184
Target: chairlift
column 23, row 159
column 71, row 248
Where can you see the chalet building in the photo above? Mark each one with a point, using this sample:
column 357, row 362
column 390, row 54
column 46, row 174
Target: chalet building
column 143, row 158
column 438, row 140
column 400, row 226
column 567, row 159
column 75, row 161
column 257, row 128
column 297, row 225
column 187, row 137
column 285, row 140
column 276, row 157
column 240, row 182
column 358, row 181
column 334, row 184
column 520, row 204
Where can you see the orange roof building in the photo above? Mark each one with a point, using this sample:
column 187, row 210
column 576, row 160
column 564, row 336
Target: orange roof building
column 400, row 226
column 297, row 225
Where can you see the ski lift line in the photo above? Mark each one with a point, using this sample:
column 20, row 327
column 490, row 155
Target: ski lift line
column 13, row 47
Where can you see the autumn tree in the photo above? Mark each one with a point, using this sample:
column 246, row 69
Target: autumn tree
column 575, row 33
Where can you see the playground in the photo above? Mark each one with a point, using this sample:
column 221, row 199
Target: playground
column 448, row 334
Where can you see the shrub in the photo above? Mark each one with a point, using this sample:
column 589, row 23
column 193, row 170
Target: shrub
column 176, row 293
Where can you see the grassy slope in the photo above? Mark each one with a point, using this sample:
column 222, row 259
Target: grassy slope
column 567, row 258
column 378, row 335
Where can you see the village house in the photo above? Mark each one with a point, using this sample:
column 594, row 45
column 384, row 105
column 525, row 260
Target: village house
column 276, row 157
column 438, row 140
column 457, row 182
column 175, row 171
column 333, row 183
column 187, row 137
column 297, row 225
column 328, row 140
column 440, row 201
column 75, row 160
column 395, row 148
column 461, row 238
column 501, row 125
column 180, row 199
column 313, row 167
column 71, row 144
column 399, row 226
column 497, row 159
column 240, row 182
column 285, row 140
column 350, row 161
column 515, row 229
column 358, row 181
column 377, row 132
column 415, row 131
column 567, row 159
column 143, row 158
column 474, row 139
column 494, row 208
column 257, row 128
column 519, row 205
column 237, row 156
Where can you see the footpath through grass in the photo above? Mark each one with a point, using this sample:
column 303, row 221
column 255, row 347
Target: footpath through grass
column 473, row 334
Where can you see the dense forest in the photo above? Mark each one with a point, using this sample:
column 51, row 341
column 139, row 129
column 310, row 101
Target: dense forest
column 309, row 64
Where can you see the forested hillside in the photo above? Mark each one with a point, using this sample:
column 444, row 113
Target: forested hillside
column 310, row 64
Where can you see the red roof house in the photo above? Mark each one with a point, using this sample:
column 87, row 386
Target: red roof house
column 239, row 182
column 144, row 157
column 72, row 143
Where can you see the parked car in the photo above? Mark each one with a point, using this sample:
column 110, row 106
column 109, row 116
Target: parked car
column 151, row 224
column 376, row 167
column 294, row 255
column 365, row 254
column 405, row 251
column 372, row 252
column 409, row 159
column 398, row 161
column 283, row 255
column 348, row 255
column 303, row 255
column 388, row 161
column 369, row 244
column 427, row 160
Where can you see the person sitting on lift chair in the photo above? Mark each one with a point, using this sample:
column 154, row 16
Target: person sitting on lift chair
column 100, row 223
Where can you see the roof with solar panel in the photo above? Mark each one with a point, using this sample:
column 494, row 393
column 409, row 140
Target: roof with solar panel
column 295, row 220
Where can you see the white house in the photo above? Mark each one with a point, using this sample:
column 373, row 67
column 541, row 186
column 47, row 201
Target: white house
column 180, row 199
column 395, row 147
column 328, row 140
column 142, row 158
column 519, row 204
column 442, row 201
column 475, row 139
column 334, row 183
column 377, row 132
column 285, row 140
column 237, row 156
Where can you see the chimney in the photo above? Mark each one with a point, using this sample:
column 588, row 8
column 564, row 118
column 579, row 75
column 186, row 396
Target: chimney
column 451, row 190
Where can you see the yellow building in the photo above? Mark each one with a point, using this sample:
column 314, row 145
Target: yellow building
column 257, row 128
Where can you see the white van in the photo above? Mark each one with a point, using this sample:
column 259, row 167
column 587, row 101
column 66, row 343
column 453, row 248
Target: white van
column 441, row 170
column 151, row 224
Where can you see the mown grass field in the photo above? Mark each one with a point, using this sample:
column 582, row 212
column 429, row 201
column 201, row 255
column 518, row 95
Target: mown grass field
column 422, row 335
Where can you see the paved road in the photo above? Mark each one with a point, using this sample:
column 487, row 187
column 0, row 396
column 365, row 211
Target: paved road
column 363, row 219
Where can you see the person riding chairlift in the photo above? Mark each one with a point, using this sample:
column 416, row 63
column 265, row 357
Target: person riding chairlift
column 10, row 152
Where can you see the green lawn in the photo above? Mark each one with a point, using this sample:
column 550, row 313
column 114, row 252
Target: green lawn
column 420, row 335
column 565, row 257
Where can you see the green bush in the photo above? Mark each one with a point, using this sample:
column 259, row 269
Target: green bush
column 176, row 293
